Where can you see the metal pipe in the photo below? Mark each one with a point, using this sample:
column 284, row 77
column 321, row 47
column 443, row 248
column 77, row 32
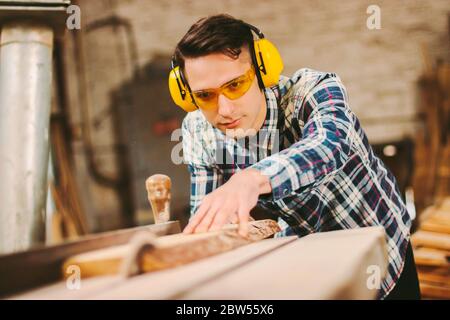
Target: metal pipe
column 25, row 97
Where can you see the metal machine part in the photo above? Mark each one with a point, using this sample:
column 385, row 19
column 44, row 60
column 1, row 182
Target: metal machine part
column 26, row 48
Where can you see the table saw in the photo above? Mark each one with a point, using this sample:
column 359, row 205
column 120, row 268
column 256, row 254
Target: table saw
column 331, row 265
column 159, row 262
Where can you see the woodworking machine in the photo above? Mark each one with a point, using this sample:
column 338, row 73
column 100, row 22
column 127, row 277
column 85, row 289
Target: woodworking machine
column 159, row 262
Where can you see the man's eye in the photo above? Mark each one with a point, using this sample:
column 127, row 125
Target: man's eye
column 235, row 84
column 203, row 95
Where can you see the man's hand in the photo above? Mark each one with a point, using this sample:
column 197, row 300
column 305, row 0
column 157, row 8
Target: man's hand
column 236, row 197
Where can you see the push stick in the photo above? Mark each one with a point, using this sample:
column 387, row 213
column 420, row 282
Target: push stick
column 159, row 192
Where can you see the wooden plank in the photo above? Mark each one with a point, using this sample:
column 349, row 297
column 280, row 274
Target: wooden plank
column 35, row 267
column 440, row 216
column 330, row 265
column 432, row 257
column 441, row 271
column 170, row 251
column 434, row 279
column 431, row 240
column 64, row 190
column 436, row 218
column 435, row 227
column 164, row 284
column 434, row 292
column 325, row 265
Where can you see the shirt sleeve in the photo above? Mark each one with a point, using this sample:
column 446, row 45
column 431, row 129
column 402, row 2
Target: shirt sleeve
column 204, row 177
column 324, row 146
column 204, row 180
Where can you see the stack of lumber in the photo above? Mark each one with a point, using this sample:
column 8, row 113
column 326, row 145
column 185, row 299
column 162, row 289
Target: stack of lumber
column 432, row 251
column 431, row 180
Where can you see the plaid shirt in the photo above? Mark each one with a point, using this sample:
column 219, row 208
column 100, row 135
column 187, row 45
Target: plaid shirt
column 322, row 169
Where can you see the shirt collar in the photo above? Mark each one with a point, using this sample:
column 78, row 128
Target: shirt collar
column 271, row 121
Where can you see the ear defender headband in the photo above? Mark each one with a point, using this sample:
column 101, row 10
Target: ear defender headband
column 266, row 60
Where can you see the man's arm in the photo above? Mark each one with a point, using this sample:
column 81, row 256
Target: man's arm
column 325, row 144
column 323, row 149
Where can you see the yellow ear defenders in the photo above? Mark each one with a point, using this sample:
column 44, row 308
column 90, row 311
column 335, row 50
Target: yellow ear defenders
column 266, row 59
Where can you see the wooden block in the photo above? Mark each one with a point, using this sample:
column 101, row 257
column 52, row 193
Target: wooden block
column 434, row 279
column 445, row 205
column 164, row 284
column 436, row 275
column 431, row 240
column 434, row 226
column 441, row 271
column 434, row 292
column 171, row 251
column 432, row 257
column 439, row 216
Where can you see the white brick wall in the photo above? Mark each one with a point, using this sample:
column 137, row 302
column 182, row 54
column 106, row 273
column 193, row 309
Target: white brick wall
column 379, row 67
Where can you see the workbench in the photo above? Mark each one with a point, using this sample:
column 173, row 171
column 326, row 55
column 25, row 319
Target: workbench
column 329, row 265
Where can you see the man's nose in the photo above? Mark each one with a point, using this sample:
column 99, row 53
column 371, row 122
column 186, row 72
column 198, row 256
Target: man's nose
column 225, row 106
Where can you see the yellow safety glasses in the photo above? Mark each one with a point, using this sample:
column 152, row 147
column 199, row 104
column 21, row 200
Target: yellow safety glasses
column 233, row 89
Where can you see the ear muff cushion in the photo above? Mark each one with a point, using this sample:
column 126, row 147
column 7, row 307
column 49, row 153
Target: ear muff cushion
column 182, row 98
column 272, row 61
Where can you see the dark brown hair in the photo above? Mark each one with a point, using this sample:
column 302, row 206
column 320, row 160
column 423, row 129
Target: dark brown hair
column 220, row 33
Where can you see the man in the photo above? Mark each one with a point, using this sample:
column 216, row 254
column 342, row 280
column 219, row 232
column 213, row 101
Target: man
column 294, row 147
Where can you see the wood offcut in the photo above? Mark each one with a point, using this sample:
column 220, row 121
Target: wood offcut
column 167, row 252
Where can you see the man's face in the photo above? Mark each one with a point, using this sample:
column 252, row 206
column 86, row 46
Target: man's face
column 240, row 117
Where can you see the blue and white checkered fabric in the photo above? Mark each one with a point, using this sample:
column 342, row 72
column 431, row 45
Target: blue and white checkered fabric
column 323, row 172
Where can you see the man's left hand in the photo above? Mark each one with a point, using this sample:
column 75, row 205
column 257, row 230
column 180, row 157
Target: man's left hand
column 236, row 197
